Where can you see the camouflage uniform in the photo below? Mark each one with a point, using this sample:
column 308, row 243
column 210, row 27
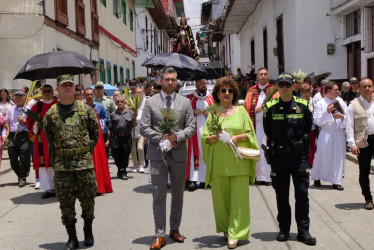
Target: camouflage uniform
column 72, row 133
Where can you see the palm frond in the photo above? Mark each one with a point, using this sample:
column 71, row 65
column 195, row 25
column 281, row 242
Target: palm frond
column 169, row 121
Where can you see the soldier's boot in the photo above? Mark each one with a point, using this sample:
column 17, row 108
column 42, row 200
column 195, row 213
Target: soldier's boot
column 88, row 236
column 73, row 242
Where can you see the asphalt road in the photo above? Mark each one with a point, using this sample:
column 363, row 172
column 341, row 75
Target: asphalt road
column 124, row 218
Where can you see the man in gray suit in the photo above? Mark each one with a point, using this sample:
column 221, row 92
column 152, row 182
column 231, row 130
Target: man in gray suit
column 175, row 159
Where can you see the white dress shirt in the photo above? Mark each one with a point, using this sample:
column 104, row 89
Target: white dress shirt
column 163, row 95
column 349, row 120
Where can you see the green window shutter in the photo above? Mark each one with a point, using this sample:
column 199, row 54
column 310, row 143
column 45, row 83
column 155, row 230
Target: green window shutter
column 115, row 72
column 133, row 69
column 128, row 74
column 103, row 2
column 131, row 20
column 124, row 17
column 102, row 73
column 109, row 72
column 121, row 75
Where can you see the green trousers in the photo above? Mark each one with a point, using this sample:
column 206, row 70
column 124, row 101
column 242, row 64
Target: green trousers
column 231, row 205
column 70, row 185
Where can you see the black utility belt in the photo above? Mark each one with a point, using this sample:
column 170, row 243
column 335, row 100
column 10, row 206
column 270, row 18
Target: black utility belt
column 297, row 148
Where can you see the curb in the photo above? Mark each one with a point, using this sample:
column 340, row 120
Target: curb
column 355, row 160
column 5, row 171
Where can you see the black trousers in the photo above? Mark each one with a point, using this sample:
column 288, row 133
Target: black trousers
column 19, row 154
column 282, row 168
column 121, row 149
column 364, row 160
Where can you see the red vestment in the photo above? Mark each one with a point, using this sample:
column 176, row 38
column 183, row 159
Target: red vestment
column 251, row 100
column 193, row 141
column 104, row 183
column 41, row 156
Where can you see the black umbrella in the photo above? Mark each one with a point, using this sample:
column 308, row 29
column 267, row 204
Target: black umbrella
column 52, row 64
column 186, row 66
column 316, row 75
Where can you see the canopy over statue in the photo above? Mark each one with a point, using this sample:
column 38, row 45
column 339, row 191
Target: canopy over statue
column 184, row 42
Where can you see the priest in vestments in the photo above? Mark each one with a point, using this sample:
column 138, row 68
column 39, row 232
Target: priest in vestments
column 254, row 104
column 330, row 156
column 41, row 156
column 200, row 99
column 99, row 157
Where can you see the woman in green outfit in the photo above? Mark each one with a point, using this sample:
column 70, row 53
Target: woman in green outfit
column 227, row 175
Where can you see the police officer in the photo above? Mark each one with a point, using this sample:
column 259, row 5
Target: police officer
column 72, row 131
column 287, row 123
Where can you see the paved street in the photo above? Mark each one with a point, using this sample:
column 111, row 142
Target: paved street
column 124, row 218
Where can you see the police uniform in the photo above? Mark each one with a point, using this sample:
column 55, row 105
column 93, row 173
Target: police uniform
column 287, row 124
column 72, row 132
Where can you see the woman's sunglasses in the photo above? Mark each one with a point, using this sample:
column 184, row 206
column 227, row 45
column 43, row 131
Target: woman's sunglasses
column 223, row 91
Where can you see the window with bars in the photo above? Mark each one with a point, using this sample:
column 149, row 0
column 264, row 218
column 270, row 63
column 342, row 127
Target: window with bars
column 128, row 73
column 368, row 28
column 353, row 23
column 131, row 13
column 124, row 16
column 61, row 12
column 115, row 73
column 94, row 22
column 80, row 20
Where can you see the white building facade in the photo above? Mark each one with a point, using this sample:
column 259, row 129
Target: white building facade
column 31, row 27
column 117, row 51
column 288, row 35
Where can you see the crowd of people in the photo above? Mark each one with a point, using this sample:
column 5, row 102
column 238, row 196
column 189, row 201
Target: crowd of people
column 301, row 127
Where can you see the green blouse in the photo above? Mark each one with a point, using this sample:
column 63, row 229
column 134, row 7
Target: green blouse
column 219, row 157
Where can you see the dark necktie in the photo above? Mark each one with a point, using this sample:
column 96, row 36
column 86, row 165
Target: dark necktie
column 168, row 101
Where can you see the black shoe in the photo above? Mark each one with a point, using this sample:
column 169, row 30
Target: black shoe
column 283, row 236
column 306, row 238
column 73, row 240
column 124, row 176
column 192, row 186
column 21, row 183
column 317, row 183
column 337, row 187
column 88, row 236
column 48, row 195
column 266, row 183
column 202, row 185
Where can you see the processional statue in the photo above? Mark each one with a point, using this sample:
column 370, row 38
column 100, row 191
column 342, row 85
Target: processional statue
column 184, row 42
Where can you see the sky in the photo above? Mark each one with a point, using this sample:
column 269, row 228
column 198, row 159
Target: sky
column 192, row 9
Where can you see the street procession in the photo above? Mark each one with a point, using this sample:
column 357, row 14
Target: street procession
column 186, row 124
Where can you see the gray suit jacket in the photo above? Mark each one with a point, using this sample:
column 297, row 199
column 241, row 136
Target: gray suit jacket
column 184, row 129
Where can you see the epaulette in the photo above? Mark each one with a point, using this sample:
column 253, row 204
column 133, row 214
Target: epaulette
column 272, row 102
column 300, row 100
column 81, row 109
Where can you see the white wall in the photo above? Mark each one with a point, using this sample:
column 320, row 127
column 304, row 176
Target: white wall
column 306, row 30
column 234, row 50
column 24, row 34
column 141, row 48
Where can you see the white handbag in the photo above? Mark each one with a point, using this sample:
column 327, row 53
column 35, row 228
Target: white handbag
column 249, row 153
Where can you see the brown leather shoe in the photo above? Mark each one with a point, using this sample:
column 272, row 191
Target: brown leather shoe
column 158, row 243
column 176, row 236
column 369, row 205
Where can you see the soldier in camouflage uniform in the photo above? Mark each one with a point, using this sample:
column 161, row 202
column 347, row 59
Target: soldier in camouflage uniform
column 72, row 131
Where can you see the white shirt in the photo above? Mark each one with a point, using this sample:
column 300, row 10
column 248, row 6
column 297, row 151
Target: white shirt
column 163, row 95
column 349, row 120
